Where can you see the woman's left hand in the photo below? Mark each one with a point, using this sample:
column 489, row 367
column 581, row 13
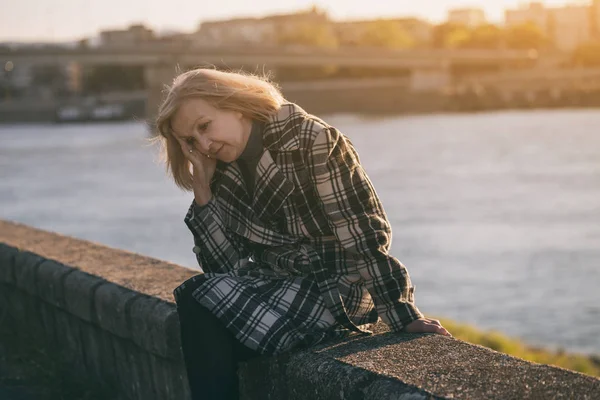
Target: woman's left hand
column 426, row 325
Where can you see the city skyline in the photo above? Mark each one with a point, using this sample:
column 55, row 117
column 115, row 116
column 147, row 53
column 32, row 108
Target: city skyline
column 34, row 20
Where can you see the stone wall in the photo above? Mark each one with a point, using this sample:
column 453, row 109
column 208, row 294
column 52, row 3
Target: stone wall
column 109, row 316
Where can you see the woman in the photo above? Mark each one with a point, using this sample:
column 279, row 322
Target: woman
column 287, row 227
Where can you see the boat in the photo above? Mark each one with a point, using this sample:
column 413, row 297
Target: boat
column 90, row 110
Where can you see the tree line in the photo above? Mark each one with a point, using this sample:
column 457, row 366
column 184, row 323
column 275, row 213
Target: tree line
column 396, row 35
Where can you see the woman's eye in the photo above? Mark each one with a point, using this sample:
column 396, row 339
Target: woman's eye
column 189, row 141
column 203, row 127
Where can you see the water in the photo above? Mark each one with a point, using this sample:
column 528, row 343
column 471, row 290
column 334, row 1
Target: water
column 496, row 215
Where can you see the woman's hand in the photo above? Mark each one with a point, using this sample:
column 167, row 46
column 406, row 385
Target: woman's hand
column 426, row 325
column 203, row 170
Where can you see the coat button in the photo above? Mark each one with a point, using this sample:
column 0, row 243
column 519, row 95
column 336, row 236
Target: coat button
column 196, row 249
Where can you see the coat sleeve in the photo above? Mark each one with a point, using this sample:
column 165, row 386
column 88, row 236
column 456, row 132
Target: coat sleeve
column 217, row 249
column 358, row 220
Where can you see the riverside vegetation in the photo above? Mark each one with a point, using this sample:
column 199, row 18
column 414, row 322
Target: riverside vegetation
column 587, row 364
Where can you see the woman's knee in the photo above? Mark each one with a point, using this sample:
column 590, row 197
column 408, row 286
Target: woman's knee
column 186, row 305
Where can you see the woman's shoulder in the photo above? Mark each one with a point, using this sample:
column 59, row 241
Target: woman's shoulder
column 292, row 128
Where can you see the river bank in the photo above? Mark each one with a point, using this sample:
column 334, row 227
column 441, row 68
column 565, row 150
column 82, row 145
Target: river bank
column 390, row 99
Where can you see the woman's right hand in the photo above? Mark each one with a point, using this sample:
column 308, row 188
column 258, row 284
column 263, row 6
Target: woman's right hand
column 203, row 171
column 426, row 325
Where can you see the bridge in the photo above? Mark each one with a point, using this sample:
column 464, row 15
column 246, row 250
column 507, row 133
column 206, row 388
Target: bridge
column 537, row 78
column 426, row 70
column 271, row 56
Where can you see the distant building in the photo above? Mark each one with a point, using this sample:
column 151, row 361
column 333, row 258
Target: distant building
column 349, row 33
column 173, row 39
column 570, row 26
column 534, row 13
column 471, row 17
column 235, row 32
column 596, row 19
column 255, row 31
column 567, row 26
column 133, row 36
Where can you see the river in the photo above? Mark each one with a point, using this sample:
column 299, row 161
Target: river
column 496, row 215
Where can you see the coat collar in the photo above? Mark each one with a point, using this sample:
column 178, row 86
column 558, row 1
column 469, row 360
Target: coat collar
column 283, row 130
column 282, row 133
column 272, row 187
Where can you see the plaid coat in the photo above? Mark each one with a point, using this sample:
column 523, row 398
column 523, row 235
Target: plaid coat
column 305, row 258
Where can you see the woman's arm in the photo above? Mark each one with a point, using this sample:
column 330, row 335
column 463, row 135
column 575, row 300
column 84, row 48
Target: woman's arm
column 358, row 221
column 217, row 249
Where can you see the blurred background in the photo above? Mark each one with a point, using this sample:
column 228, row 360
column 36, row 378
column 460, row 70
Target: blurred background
column 479, row 125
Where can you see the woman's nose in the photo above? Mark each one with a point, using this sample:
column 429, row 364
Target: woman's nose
column 205, row 144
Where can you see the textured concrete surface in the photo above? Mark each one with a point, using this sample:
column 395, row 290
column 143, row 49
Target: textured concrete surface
column 409, row 366
column 103, row 314
column 139, row 273
column 123, row 293
column 8, row 393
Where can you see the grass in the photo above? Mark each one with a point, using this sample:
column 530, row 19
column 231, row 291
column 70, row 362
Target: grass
column 496, row 341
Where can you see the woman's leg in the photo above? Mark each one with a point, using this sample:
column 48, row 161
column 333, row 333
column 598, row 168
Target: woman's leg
column 210, row 351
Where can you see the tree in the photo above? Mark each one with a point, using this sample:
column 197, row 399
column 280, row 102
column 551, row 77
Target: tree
column 450, row 35
column 587, row 55
column 309, row 34
column 525, row 36
column 385, row 34
column 485, row 37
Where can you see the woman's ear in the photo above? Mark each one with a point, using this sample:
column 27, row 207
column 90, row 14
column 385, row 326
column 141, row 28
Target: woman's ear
column 239, row 115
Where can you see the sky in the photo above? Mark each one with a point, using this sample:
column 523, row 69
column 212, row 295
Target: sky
column 64, row 20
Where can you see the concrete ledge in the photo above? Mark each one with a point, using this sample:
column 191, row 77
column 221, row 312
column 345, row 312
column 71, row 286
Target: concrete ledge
column 126, row 294
column 109, row 316
column 408, row 366
column 79, row 290
column 50, row 281
column 136, row 272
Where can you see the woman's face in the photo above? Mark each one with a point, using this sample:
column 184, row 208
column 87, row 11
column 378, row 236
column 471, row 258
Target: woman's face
column 217, row 133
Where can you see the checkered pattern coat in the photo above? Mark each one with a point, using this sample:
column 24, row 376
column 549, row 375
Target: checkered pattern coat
column 305, row 258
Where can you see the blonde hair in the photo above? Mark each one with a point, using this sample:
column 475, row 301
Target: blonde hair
column 252, row 95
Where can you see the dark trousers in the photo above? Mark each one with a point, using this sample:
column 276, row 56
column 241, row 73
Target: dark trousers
column 211, row 352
